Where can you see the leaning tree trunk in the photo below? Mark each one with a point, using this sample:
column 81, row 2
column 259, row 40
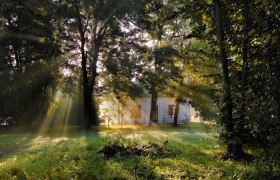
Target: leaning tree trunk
column 176, row 115
column 231, row 139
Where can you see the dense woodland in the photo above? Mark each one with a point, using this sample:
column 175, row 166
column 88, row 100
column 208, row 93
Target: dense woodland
column 223, row 56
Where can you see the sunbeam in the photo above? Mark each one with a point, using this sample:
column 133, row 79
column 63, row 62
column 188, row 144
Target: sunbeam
column 66, row 117
column 50, row 115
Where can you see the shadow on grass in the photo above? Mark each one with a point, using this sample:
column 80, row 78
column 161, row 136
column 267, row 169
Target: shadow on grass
column 78, row 157
column 148, row 167
column 18, row 140
column 14, row 141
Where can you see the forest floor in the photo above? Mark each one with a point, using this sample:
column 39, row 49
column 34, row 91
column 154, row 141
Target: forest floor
column 132, row 152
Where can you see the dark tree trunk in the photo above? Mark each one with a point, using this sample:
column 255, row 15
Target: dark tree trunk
column 245, row 66
column 153, row 111
column 176, row 115
column 87, row 96
column 88, row 113
column 234, row 147
column 179, row 97
column 93, row 82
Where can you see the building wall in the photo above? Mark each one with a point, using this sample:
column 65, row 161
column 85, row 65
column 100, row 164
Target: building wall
column 163, row 116
column 126, row 112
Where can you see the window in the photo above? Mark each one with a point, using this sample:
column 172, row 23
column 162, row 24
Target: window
column 171, row 109
column 137, row 112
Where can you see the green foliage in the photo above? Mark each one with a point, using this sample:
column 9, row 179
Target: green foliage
column 264, row 168
column 122, row 70
column 28, row 68
column 199, row 79
column 260, row 124
column 159, row 70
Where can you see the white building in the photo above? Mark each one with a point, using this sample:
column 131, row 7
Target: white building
column 138, row 111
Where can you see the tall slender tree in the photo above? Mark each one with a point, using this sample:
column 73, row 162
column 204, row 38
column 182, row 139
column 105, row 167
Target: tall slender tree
column 82, row 24
column 234, row 148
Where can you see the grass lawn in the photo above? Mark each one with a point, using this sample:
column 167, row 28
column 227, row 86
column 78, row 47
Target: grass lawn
column 76, row 154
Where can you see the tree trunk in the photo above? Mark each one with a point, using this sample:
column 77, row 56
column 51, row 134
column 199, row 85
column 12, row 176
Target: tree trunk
column 231, row 139
column 88, row 110
column 88, row 113
column 178, row 98
column 153, row 111
column 93, row 81
column 177, row 109
column 245, row 66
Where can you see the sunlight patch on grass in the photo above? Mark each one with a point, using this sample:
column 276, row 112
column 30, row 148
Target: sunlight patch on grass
column 40, row 141
column 176, row 168
column 77, row 155
column 58, row 115
column 115, row 130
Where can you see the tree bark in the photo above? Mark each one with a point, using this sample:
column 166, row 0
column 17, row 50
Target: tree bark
column 87, row 104
column 179, row 97
column 88, row 109
column 245, row 65
column 234, row 147
column 153, row 108
column 177, row 109
column 94, row 75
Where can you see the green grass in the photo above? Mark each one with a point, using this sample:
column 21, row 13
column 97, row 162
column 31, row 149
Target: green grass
column 75, row 156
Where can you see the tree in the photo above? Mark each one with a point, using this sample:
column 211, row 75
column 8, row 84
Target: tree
column 243, row 42
column 95, row 28
column 262, row 114
column 158, row 68
column 234, row 146
column 107, row 27
column 197, row 83
column 29, row 45
column 82, row 24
